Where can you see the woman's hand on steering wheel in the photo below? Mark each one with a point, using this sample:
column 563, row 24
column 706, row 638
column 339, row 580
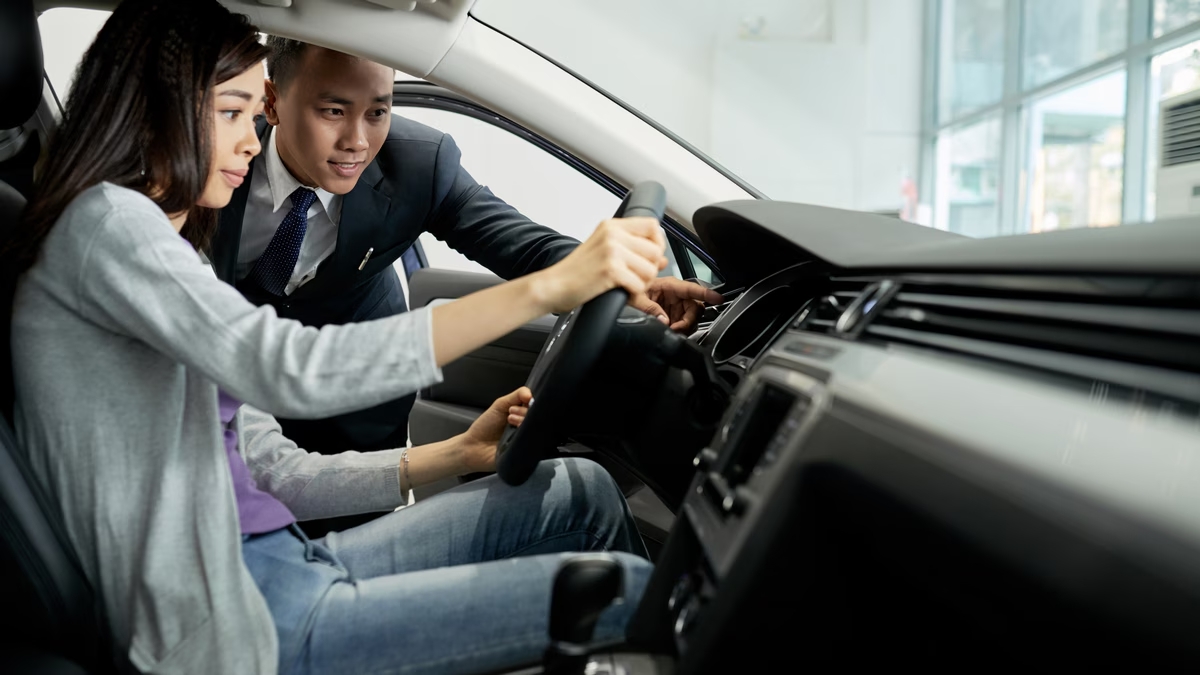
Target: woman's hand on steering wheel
column 622, row 253
column 478, row 447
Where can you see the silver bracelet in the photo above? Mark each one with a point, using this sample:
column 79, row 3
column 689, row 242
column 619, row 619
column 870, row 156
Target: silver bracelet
column 406, row 480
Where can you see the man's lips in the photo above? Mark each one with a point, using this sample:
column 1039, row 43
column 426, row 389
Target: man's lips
column 234, row 176
column 345, row 169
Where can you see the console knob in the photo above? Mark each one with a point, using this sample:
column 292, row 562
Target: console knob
column 687, row 616
column 683, row 589
column 736, row 501
column 705, row 459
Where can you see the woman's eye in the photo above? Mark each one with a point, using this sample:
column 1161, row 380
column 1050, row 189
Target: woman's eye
column 231, row 115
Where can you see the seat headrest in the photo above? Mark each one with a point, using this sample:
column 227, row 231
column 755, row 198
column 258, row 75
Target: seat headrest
column 20, row 62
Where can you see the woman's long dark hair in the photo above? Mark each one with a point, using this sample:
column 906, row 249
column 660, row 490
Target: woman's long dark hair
column 139, row 115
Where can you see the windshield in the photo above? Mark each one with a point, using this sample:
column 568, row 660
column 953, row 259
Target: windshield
column 982, row 117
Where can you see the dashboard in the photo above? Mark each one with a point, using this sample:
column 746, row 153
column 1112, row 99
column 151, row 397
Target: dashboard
column 995, row 461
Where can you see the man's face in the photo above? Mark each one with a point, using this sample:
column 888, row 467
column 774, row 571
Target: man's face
column 331, row 118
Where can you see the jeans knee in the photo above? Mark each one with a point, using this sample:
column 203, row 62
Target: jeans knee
column 596, row 483
column 595, row 500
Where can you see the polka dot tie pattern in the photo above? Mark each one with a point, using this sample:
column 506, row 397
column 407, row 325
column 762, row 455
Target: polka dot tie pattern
column 274, row 267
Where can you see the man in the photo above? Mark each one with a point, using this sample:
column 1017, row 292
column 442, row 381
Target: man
column 341, row 190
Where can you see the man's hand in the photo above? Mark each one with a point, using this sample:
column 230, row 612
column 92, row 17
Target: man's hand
column 675, row 302
column 479, row 442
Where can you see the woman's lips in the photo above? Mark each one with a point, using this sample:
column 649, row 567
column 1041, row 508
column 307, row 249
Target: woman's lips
column 234, row 178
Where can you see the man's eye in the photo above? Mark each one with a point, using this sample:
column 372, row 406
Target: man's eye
column 379, row 113
column 333, row 111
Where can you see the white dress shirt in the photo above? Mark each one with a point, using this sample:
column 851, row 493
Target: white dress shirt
column 271, row 187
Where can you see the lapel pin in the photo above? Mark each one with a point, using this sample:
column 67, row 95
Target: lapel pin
column 366, row 258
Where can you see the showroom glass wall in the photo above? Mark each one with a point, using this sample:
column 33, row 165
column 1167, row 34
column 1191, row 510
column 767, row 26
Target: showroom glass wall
column 1043, row 114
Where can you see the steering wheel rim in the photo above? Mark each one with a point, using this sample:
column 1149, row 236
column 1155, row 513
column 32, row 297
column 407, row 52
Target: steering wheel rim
column 574, row 345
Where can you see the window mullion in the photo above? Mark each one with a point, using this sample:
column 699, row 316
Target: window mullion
column 929, row 118
column 1011, row 215
column 1137, row 101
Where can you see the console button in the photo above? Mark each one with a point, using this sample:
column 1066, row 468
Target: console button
column 705, row 459
column 683, row 589
column 687, row 616
column 736, row 501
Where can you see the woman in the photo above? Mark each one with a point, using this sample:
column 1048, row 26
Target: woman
column 132, row 361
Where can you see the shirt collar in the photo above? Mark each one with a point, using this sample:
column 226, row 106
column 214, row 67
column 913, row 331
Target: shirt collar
column 283, row 183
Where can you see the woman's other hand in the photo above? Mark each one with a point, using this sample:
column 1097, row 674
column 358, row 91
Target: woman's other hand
column 622, row 253
column 480, row 441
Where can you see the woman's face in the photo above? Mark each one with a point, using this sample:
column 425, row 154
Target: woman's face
column 236, row 103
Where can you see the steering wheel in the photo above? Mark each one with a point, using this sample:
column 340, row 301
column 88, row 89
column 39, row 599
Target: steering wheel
column 575, row 342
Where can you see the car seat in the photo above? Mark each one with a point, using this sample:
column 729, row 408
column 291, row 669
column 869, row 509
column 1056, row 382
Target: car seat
column 50, row 622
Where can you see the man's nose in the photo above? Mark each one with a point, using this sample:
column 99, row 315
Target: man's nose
column 354, row 138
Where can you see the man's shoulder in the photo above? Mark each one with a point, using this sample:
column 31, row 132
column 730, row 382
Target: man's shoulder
column 410, row 147
column 405, row 130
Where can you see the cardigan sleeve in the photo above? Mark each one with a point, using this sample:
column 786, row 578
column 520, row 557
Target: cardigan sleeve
column 139, row 278
column 313, row 485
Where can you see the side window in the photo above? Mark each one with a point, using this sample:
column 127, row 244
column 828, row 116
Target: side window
column 703, row 271
column 536, row 183
column 67, row 32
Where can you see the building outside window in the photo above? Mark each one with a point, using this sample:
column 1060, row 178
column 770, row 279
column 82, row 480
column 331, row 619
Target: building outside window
column 1047, row 112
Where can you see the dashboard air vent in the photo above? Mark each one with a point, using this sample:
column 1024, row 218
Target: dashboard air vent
column 932, row 316
column 823, row 312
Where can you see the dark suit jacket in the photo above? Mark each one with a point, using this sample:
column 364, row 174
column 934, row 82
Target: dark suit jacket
column 416, row 184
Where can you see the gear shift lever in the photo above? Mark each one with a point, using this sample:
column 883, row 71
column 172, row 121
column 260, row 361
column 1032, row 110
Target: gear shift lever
column 584, row 587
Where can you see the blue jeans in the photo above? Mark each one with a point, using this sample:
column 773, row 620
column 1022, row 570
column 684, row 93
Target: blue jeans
column 457, row 583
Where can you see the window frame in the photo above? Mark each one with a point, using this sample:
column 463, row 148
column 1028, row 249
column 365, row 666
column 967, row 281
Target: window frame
column 1141, row 47
column 421, row 94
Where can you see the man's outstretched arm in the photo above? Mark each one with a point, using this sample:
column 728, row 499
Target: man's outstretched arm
column 483, row 227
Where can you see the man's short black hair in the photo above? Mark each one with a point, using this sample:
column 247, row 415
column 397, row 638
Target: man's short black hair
column 284, row 59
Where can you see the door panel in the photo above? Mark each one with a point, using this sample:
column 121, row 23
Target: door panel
column 470, row 384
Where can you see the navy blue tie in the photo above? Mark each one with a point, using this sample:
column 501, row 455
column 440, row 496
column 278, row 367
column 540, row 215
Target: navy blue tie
column 276, row 264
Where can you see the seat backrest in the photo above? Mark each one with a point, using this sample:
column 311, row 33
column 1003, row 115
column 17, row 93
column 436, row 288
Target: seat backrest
column 46, row 602
column 11, row 204
column 20, row 94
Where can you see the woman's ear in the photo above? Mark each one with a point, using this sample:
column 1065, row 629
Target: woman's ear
column 269, row 107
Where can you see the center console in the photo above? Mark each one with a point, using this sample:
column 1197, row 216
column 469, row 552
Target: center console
column 731, row 533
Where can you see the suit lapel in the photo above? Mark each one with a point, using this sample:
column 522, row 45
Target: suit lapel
column 364, row 216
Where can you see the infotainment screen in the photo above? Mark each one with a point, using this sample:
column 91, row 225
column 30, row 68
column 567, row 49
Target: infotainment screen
column 768, row 409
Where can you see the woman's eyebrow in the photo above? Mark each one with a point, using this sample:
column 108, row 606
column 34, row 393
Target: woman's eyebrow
column 239, row 93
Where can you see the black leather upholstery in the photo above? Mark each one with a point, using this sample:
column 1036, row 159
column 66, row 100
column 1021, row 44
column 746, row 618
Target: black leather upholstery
column 48, row 614
column 46, row 600
column 11, row 204
column 20, row 62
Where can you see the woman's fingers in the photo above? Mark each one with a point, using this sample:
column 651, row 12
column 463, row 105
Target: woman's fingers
column 645, row 269
column 516, row 415
column 645, row 227
column 646, row 248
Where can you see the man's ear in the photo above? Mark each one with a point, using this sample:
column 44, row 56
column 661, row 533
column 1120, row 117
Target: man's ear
column 269, row 110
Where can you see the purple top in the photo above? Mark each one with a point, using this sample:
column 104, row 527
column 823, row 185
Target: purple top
column 258, row 512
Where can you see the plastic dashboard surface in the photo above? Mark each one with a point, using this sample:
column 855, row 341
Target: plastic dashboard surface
column 901, row 495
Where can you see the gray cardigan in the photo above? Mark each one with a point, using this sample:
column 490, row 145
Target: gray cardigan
column 121, row 336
